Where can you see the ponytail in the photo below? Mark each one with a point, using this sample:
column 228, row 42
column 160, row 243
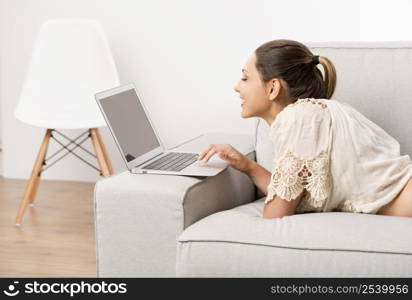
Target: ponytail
column 330, row 76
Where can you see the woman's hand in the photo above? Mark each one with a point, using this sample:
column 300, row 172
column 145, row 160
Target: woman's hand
column 227, row 153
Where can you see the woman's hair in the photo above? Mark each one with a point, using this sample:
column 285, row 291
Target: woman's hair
column 292, row 62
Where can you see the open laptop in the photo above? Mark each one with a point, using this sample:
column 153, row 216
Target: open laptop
column 137, row 139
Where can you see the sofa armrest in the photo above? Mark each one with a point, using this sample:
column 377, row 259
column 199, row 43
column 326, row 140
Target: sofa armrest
column 138, row 217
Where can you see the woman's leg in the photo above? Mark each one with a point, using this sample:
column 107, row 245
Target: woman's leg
column 402, row 205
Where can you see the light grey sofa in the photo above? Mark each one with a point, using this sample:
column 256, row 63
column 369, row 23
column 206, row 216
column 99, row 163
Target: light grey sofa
column 166, row 226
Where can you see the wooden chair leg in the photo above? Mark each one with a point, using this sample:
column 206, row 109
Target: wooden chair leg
column 31, row 187
column 105, row 153
column 99, row 152
column 34, row 190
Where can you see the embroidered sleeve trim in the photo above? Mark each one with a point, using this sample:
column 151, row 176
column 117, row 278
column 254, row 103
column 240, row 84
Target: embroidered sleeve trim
column 292, row 175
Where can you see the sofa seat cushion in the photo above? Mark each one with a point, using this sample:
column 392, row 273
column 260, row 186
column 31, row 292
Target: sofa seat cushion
column 240, row 242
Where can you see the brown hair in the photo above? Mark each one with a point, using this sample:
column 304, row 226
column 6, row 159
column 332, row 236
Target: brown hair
column 292, row 62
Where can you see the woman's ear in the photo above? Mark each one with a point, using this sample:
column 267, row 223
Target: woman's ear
column 274, row 88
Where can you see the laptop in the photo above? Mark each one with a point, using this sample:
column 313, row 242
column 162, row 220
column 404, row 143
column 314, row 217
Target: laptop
column 138, row 141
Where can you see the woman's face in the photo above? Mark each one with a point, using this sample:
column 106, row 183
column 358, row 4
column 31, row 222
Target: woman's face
column 253, row 91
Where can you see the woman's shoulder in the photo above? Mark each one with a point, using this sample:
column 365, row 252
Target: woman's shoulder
column 303, row 110
column 306, row 107
column 309, row 103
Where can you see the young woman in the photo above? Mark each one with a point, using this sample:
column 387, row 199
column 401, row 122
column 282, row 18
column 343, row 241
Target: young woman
column 328, row 156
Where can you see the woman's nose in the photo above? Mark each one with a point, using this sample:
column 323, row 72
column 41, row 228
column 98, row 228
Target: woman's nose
column 235, row 88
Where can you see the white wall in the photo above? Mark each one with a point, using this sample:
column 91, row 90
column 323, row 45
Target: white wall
column 184, row 57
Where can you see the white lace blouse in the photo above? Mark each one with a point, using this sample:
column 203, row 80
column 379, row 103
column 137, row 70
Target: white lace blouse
column 341, row 160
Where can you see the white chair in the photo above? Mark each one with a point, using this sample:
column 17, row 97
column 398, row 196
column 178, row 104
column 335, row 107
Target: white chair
column 71, row 61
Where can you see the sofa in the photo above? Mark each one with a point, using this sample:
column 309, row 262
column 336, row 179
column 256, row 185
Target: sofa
column 183, row 226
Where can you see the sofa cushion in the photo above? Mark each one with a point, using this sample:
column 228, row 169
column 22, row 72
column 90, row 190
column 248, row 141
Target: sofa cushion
column 239, row 242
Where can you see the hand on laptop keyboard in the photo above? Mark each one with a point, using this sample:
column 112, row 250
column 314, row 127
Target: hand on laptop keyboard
column 227, row 153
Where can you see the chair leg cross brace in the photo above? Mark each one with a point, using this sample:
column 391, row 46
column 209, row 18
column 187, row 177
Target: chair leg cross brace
column 71, row 151
column 33, row 183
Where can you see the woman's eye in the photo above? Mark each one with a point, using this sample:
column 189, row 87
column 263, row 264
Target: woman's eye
column 244, row 79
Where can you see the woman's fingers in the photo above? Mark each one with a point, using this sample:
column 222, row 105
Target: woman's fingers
column 210, row 154
column 204, row 152
column 210, row 151
column 227, row 153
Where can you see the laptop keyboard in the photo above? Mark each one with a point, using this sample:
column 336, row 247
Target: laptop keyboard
column 173, row 161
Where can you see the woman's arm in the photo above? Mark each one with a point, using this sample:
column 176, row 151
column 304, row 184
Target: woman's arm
column 259, row 175
column 278, row 207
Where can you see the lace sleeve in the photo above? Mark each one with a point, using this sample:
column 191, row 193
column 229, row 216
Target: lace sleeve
column 301, row 139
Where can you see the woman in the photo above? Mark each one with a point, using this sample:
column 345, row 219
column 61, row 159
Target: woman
column 328, row 156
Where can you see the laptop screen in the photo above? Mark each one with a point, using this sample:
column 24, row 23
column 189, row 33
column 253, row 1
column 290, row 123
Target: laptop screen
column 130, row 124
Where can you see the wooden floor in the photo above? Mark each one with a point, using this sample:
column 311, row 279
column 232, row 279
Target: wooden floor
column 56, row 237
